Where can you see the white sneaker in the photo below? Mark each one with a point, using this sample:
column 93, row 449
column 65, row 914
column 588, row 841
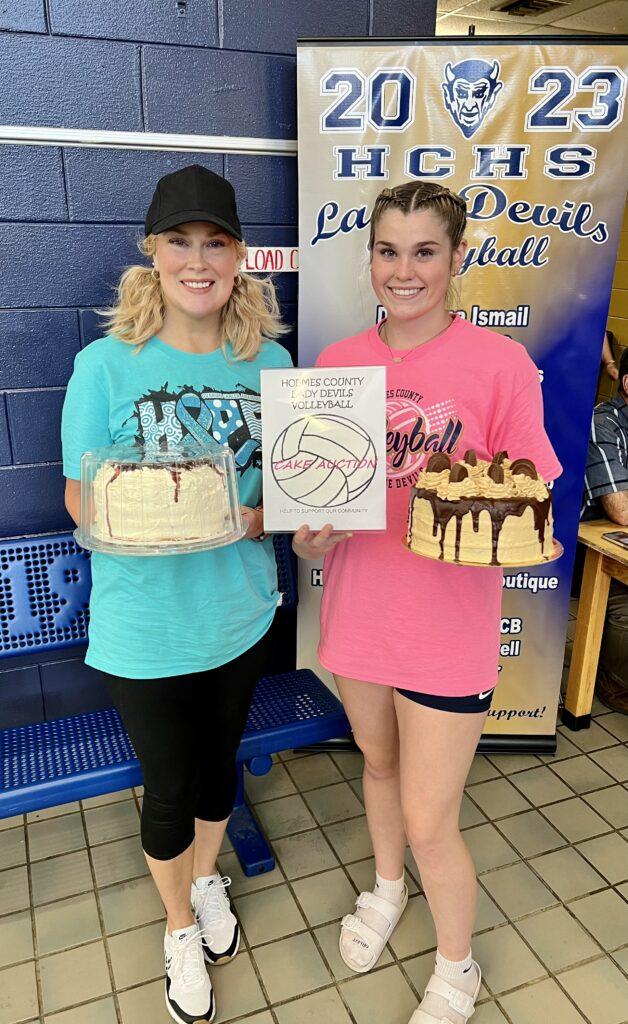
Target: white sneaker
column 189, row 993
column 214, row 915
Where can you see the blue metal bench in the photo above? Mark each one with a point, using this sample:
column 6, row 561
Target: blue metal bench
column 44, row 594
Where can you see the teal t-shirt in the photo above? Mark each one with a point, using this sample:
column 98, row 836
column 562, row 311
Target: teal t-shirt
column 169, row 615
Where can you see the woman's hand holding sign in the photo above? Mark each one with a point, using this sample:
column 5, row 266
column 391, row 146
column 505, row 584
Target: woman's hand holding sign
column 311, row 544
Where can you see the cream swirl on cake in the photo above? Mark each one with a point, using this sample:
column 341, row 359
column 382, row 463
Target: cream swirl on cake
column 487, row 513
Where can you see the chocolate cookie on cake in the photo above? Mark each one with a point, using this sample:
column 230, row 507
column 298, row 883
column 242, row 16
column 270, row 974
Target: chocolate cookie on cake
column 481, row 513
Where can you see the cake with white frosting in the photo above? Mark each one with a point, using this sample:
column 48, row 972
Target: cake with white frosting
column 143, row 504
column 477, row 512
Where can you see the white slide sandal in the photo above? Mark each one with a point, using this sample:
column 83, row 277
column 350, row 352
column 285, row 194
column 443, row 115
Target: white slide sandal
column 460, row 1002
column 364, row 935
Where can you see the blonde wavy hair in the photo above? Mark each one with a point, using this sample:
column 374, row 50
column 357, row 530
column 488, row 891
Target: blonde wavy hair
column 250, row 316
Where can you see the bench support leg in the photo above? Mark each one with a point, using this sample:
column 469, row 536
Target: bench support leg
column 254, row 853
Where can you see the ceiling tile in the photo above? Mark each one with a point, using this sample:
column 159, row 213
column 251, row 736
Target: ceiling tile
column 458, row 25
column 556, row 18
column 550, row 30
column 607, row 17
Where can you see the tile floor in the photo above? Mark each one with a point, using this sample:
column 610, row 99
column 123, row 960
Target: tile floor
column 81, row 926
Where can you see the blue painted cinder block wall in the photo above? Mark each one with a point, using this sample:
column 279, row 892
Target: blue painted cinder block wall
column 70, row 218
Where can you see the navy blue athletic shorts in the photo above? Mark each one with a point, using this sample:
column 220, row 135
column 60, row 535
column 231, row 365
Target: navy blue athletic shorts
column 472, row 704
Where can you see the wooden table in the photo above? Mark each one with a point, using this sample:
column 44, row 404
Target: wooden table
column 603, row 561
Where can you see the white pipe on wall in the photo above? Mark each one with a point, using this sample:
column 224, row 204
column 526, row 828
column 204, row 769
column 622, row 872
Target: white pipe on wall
column 42, row 136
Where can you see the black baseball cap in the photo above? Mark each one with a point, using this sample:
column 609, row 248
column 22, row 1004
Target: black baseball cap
column 193, row 193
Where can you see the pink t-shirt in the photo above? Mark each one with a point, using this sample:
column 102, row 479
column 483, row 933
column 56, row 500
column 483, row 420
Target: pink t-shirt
column 389, row 616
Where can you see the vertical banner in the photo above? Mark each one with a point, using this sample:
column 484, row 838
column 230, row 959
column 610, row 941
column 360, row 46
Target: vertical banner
column 532, row 134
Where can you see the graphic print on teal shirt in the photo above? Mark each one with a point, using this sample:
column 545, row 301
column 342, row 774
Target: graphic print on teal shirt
column 166, row 616
column 166, row 418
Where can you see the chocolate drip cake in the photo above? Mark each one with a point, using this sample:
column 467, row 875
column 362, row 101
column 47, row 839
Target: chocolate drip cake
column 476, row 512
column 142, row 504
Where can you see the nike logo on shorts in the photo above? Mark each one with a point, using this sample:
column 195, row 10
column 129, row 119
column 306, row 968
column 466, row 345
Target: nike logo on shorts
column 482, row 696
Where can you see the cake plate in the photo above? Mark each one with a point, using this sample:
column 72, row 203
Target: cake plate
column 556, row 553
column 93, row 543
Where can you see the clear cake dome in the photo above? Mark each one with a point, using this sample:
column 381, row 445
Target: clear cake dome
column 140, row 501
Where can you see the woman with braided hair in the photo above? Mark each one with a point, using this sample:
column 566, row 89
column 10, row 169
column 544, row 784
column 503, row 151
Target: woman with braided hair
column 183, row 640
column 413, row 643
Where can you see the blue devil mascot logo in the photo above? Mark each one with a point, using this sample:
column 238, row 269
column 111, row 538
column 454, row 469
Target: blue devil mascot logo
column 470, row 90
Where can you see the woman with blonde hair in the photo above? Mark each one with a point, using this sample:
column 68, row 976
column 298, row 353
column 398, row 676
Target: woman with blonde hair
column 183, row 640
column 415, row 656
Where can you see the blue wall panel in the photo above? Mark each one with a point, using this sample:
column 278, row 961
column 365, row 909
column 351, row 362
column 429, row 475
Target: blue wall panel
column 403, row 18
column 266, row 187
column 5, row 446
column 21, row 699
column 91, row 326
column 31, row 183
column 73, row 83
column 151, row 21
column 35, row 425
column 219, row 92
column 37, row 346
column 31, row 501
column 23, row 16
column 275, row 30
column 117, row 184
column 68, row 264
column 71, row 688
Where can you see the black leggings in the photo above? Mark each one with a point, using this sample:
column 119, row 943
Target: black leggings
column 186, row 731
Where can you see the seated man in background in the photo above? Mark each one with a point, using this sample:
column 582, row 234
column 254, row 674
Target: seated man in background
column 606, row 496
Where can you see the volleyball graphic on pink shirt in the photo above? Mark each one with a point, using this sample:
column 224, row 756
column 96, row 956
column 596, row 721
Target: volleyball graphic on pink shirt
column 323, row 461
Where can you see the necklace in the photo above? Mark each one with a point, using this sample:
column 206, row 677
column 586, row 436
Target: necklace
column 395, row 359
column 399, row 359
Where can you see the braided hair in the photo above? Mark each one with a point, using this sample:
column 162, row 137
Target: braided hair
column 423, row 195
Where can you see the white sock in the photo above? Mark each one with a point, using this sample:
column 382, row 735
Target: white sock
column 461, row 974
column 454, row 970
column 389, row 890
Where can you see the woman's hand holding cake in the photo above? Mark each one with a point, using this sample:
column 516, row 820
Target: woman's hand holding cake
column 254, row 520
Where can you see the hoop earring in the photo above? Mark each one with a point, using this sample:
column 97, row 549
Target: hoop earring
column 154, row 274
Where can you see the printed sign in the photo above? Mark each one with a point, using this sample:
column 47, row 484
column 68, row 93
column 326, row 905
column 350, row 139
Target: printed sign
column 266, row 259
column 324, row 448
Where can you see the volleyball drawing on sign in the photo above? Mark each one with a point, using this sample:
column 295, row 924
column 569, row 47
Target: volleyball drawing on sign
column 323, row 461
